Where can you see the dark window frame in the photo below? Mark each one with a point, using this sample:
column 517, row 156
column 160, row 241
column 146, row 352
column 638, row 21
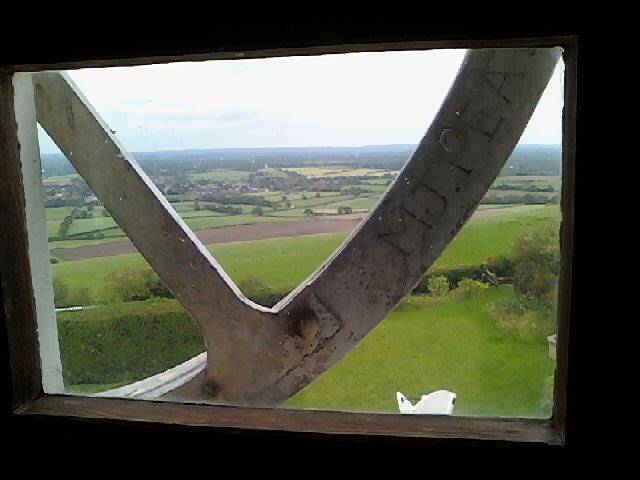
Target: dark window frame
column 27, row 397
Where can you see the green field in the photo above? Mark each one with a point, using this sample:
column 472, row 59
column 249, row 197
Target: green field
column 449, row 345
column 287, row 261
column 199, row 223
column 280, row 262
column 203, row 218
column 57, row 213
column 487, row 237
column 537, row 180
column 221, row 174
column 85, row 225
column 53, row 227
column 356, row 203
column 196, row 220
column 453, row 346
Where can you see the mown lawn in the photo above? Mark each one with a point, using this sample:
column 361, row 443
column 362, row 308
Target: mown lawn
column 453, row 346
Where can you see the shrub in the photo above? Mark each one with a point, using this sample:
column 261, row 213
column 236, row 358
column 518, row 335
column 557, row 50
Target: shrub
column 524, row 317
column 78, row 297
column 133, row 285
column 64, row 296
column 467, row 287
column 531, row 199
column 125, row 342
column 257, row 290
column 501, row 266
column 60, row 292
column 224, row 209
column 252, row 285
column 438, row 285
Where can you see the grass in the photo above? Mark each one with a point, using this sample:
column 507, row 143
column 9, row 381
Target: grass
column 57, row 213
column 454, row 346
column 280, row 262
column 85, row 225
column 221, row 174
column 89, row 388
column 287, row 261
column 519, row 193
column 538, row 180
column 53, row 227
column 185, row 214
column 493, row 236
column 356, row 203
column 78, row 243
column 418, row 348
column 199, row 223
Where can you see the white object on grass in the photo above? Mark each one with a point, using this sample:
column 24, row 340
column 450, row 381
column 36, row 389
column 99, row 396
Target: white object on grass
column 440, row 402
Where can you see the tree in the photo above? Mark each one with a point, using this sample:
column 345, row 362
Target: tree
column 128, row 285
column 105, row 213
column 60, row 292
column 536, row 256
column 196, row 204
column 258, row 211
column 308, row 212
column 64, row 226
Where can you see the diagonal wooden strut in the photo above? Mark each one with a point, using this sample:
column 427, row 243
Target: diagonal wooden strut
column 262, row 356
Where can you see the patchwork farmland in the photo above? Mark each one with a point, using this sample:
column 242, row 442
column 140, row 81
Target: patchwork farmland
column 275, row 224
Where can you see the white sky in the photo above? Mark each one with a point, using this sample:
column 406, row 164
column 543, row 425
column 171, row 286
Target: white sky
column 330, row 100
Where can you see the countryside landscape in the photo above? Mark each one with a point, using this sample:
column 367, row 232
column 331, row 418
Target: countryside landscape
column 477, row 324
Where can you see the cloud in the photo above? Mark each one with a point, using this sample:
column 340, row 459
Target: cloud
column 347, row 99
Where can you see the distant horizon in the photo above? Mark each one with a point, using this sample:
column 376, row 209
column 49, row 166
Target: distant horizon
column 352, row 99
column 300, row 147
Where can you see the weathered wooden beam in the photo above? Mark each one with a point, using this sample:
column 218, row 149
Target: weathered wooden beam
column 341, row 423
column 262, row 356
column 18, row 299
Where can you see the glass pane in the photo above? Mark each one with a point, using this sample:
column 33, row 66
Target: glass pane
column 272, row 163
